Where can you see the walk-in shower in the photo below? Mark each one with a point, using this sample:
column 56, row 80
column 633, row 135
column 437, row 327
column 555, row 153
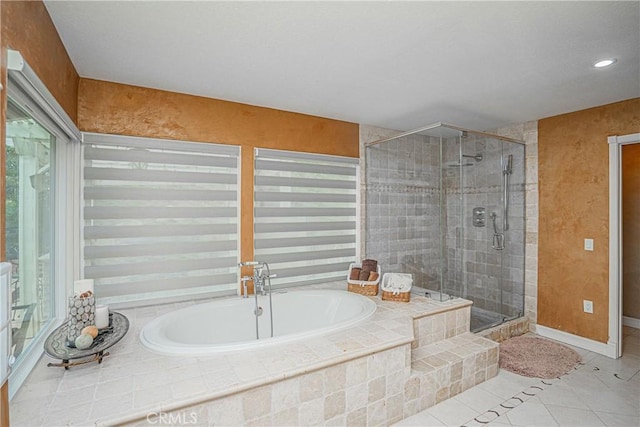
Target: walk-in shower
column 446, row 204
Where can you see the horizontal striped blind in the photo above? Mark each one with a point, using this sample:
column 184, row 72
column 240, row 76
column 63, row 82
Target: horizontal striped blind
column 160, row 218
column 305, row 215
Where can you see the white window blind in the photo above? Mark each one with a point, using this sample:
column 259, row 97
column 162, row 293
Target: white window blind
column 305, row 215
column 160, row 218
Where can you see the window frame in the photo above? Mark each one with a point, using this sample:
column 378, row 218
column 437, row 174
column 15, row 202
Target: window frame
column 26, row 90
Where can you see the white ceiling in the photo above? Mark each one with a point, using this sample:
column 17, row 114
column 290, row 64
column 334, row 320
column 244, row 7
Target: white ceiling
column 399, row 65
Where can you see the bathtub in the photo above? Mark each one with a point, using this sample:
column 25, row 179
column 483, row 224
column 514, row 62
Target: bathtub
column 229, row 324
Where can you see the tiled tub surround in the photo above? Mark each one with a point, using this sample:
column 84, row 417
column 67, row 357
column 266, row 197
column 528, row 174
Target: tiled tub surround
column 373, row 374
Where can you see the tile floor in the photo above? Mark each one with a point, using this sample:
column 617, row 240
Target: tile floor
column 600, row 392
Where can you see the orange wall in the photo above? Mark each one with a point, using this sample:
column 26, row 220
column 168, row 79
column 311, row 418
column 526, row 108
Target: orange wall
column 27, row 27
column 631, row 230
column 106, row 107
column 573, row 172
column 114, row 108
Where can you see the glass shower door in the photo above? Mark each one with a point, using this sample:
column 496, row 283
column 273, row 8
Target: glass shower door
column 492, row 208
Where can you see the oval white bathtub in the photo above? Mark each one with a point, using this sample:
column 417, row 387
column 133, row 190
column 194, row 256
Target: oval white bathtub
column 229, row 324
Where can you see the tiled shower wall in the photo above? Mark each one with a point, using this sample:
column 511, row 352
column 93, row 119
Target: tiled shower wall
column 387, row 237
column 401, row 206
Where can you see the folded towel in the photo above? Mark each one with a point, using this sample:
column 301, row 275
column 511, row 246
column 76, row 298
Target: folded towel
column 364, row 275
column 397, row 282
column 373, row 276
column 355, row 273
column 370, row 265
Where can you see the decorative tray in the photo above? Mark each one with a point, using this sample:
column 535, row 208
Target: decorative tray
column 56, row 343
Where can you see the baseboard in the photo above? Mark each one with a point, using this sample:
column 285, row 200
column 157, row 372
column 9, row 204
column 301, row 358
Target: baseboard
column 631, row 321
column 608, row 350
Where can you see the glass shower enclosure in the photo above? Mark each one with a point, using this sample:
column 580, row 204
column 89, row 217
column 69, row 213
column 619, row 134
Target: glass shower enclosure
column 446, row 204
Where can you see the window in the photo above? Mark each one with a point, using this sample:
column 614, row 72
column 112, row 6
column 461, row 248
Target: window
column 29, row 213
column 42, row 157
column 305, row 215
column 160, row 218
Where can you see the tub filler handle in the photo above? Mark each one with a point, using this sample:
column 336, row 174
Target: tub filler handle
column 244, row 280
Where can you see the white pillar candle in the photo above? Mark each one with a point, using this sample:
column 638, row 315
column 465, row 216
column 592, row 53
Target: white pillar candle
column 102, row 316
column 81, row 286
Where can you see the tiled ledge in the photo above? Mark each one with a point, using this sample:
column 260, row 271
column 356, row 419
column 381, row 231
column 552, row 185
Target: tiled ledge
column 132, row 382
column 510, row 329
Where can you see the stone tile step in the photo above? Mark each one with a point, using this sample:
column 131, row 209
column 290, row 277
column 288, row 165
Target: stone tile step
column 449, row 367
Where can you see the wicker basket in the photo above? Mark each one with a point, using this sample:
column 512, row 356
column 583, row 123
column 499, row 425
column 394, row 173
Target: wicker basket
column 400, row 297
column 362, row 287
column 366, row 290
column 391, row 296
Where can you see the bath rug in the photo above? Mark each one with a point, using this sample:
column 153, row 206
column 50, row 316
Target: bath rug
column 537, row 357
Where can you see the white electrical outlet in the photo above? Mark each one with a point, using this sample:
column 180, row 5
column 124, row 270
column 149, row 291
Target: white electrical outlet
column 587, row 306
column 588, row 244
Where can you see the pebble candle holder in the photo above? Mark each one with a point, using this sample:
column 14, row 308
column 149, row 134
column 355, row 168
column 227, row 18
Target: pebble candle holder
column 82, row 313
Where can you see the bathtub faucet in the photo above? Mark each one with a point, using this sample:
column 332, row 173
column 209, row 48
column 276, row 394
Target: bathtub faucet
column 261, row 279
column 261, row 283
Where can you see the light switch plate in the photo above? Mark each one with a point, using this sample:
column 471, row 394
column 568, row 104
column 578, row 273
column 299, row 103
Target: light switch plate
column 588, row 244
column 587, row 306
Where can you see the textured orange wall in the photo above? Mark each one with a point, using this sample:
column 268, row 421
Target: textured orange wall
column 114, row 108
column 106, row 107
column 27, row 27
column 573, row 172
column 631, row 230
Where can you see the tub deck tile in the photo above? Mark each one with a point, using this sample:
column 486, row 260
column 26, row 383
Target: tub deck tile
column 159, row 383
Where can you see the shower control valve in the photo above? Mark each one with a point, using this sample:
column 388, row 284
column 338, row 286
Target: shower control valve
column 479, row 217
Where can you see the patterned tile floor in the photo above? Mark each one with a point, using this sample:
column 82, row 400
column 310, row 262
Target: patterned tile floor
column 599, row 392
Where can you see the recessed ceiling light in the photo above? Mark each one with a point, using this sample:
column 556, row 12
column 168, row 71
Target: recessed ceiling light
column 604, row 63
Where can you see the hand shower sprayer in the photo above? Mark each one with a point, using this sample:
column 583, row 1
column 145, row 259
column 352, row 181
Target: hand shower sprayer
column 508, row 167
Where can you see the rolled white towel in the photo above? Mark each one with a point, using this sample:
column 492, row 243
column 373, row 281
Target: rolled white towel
column 397, row 282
